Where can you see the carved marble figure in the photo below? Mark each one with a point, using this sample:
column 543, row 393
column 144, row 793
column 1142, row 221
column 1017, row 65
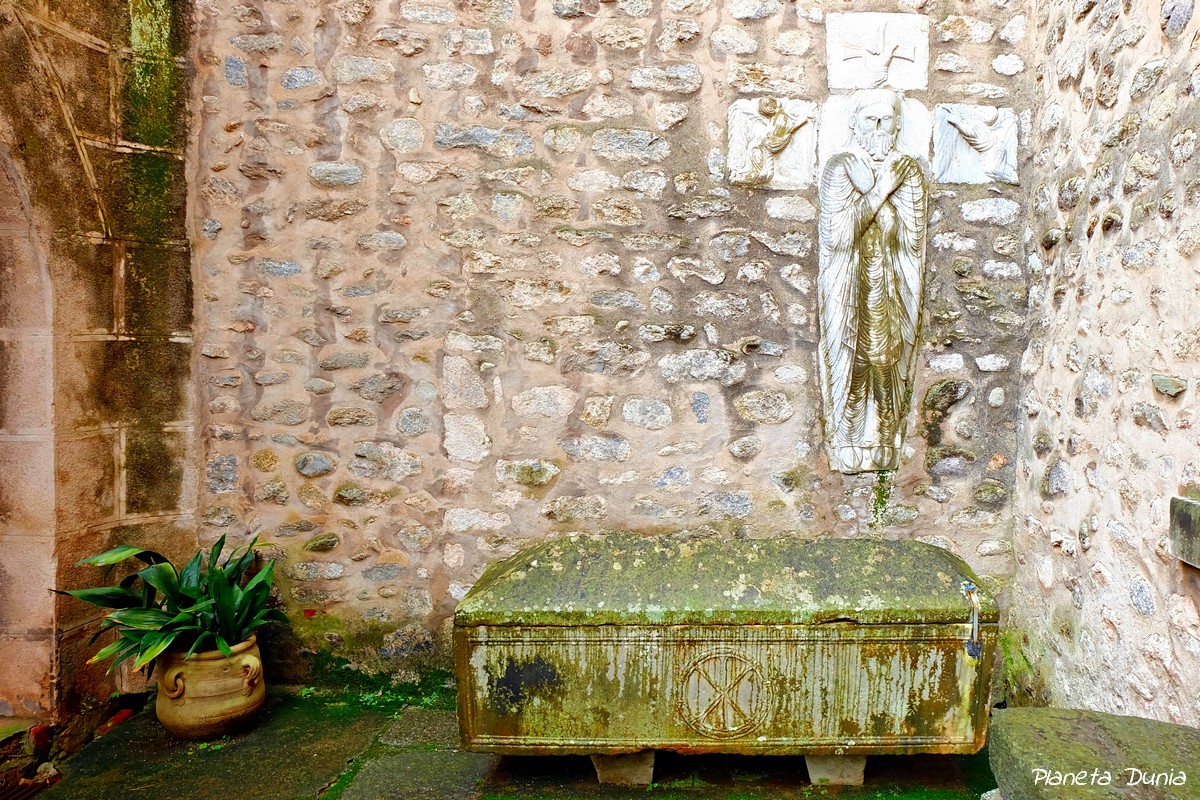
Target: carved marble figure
column 872, row 261
column 975, row 144
column 772, row 143
column 871, row 50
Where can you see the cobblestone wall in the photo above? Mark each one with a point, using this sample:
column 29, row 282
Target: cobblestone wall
column 1109, row 617
column 471, row 275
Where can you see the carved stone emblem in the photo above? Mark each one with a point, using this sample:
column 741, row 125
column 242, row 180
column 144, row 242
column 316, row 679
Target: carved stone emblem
column 872, row 262
column 974, row 144
column 772, row 143
column 723, row 694
column 870, row 50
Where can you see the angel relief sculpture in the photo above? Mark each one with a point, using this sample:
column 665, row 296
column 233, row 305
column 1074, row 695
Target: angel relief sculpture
column 975, row 144
column 872, row 261
column 771, row 143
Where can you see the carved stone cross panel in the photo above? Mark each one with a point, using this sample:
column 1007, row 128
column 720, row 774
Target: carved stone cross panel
column 871, row 50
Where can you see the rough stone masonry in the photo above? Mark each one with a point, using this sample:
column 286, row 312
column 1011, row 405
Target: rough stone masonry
column 472, row 275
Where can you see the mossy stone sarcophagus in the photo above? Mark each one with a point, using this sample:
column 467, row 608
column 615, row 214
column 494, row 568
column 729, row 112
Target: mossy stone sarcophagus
column 620, row 643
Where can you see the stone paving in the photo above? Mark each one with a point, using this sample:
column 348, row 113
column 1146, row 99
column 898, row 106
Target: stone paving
column 330, row 749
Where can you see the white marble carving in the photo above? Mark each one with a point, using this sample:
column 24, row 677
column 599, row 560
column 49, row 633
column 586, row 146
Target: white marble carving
column 974, row 144
column 874, row 212
column 836, row 132
column 772, row 143
column 871, row 50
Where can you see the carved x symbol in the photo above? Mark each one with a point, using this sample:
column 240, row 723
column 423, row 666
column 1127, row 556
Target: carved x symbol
column 725, row 690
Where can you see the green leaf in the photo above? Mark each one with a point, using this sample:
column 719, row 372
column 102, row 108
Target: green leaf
column 108, row 651
column 107, row 596
column 128, row 652
column 189, row 577
column 163, row 577
column 242, row 564
column 154, row 649
column 266, row 575
column 114, row 556
column 216, row 553
column 226, row 606
column 223, row 646
column 195, row 648
column 146, row 619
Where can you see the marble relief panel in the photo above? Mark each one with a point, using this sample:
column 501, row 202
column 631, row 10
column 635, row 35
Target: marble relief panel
column 974, row 144
column 772, row 142
column 870, row 50
column 837, row 128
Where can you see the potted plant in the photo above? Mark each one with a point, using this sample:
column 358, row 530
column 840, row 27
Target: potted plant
column 196, row 625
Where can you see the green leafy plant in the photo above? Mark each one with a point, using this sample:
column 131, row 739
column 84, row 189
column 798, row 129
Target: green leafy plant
column 209, row 603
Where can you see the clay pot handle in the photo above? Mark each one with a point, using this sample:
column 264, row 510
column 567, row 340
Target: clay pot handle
column 252, row 667
column 172, row 683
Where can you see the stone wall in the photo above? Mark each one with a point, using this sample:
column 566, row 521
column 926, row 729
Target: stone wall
column 1103, row 616
column 471, row 275
column 96, row 441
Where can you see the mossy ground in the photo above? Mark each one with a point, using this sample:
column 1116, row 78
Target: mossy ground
column 354, row 744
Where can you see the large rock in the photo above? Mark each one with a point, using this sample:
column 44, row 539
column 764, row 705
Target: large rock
column 1054, row 753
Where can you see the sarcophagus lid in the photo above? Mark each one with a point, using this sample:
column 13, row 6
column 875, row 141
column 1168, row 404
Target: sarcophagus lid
column 634, row 579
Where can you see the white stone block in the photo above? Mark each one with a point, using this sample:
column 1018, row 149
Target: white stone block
column 870, row 50
column 772, row 142
column 974, row 144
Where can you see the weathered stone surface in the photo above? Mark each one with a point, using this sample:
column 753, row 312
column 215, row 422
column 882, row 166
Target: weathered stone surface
column 630, row 145
column 384, row 461
column 465, row 438
column 647, row 413
column 995, row 210
column 555, row 83
column 335, row 174
column 1169, row 385
column 315, row 464
column 462, row 386
column 527, row 472
column 732, row 39
column 283, row 412
column 315, row 571
column 358, row 69
column 551, row 402
column 701, row 365
column 676, row 79
column 596, row 447
column 405, row 135
column 746, row 447
column 764, row 406
column 754, row 9
column 502, row 143
column 351, row 416
column 1084, row 742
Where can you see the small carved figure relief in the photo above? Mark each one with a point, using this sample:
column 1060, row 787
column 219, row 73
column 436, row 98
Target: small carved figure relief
column 872, row 261
column 975, row 144
column 772, row 143
column 870, row 50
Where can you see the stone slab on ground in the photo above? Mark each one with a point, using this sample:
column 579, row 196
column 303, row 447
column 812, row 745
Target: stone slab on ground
column 298, row 749
column 422, row 775
column 1072, row 745
column 424, row 728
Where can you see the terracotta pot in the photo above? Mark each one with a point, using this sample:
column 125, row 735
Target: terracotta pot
column 208, row 694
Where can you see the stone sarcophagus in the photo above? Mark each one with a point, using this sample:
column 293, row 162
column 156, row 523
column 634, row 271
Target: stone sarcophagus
column 607, row 645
